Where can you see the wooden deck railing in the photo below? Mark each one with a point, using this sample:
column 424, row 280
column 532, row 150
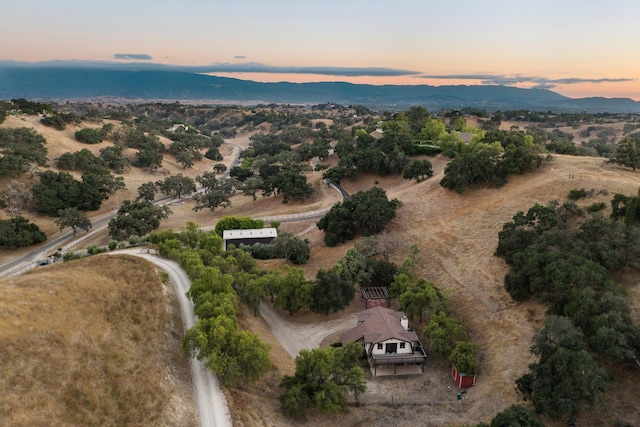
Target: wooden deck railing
column 416, row 357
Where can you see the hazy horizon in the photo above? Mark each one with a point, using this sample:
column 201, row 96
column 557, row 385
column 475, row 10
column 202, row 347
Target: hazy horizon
column 578, row 49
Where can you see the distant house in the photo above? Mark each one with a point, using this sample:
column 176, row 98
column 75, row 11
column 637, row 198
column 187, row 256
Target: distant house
column 373, row 296
column 178, row 127
column 389, row 345
column 248, row 237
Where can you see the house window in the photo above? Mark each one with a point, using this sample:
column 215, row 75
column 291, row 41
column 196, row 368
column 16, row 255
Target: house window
column 379, row 346
column 402, row 344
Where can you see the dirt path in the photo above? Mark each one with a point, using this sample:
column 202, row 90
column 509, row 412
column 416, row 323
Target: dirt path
column 294, row 337
column 212, row 406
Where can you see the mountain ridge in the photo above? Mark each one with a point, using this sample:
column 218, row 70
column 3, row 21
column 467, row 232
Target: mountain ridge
column 64, row 82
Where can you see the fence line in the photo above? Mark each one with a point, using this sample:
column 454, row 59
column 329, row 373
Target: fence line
column 97, row 230
column 304, row 214
column 385, row 399
column 66, row 247
column 83, row 238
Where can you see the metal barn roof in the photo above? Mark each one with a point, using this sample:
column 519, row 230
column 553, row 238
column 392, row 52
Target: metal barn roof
column 249, row 233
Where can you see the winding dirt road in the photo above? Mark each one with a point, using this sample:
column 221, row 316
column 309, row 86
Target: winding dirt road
column 212, row 405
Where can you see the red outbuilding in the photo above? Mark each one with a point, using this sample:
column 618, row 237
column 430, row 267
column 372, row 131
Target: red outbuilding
column 463, row 380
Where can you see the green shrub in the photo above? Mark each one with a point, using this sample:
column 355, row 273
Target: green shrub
column 113, row 244
column 259, row 251
column 164, row 277
column 70, row 255
column 89, row 135
column 596, row 207
column 56, row 121
column 94, row 250
column 425, row 149
column 576, row 194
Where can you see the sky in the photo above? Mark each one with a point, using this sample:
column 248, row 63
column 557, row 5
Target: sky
column 579, row 48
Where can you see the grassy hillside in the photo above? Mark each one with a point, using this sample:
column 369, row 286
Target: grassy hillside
column 92, row 343
column 457, row 235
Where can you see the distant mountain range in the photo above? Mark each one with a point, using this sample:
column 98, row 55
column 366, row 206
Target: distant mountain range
column 65, row 81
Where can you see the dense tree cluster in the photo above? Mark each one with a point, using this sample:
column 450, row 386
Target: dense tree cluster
column 628, row 153
column 150, row 151
column 567, row 373
column 490, row 160
column 57, row 191
column 366, row 212
column 20, row 148
column 19, row 232
column 335, row 288
column 78, row 160
column 89, row 135
column 233, row 355
column 186, row 147
column 322, row 380
column 59, row 121
column 219, row 279
column 30, row 108
column 364, row 153
column 271, row 166
column 418, row 170
column 569, row 271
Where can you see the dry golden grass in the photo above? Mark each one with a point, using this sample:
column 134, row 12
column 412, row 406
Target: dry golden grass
column 92, row 342
column 457, row 235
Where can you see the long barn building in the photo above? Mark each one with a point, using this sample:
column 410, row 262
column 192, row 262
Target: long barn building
column 248, row 237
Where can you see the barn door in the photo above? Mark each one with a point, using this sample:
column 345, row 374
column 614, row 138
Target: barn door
column 391, row 347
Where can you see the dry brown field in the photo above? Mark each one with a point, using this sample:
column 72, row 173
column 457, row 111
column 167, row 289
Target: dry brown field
column 83, row 343
column 457, row 236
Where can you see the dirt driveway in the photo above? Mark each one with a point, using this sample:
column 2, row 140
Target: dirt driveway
column 386, row 398
column 294, row 337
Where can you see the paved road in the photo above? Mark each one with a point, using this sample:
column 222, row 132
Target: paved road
column 212, row 405
column 66, row 240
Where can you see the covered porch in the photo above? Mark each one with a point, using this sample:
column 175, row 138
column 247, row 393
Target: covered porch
column 398, row 364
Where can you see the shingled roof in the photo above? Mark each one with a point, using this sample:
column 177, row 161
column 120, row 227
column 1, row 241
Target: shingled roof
column 379, row 324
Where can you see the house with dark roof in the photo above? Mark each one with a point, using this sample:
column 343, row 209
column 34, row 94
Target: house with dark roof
column 389, row 345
